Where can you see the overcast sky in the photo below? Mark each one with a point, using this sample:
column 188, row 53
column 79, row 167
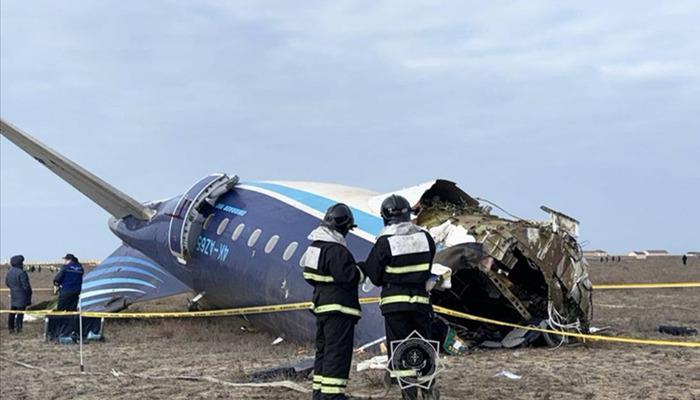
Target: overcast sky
column 587, row 107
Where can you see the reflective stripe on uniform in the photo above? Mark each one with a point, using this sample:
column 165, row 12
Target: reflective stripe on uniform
column 407, row 269
column 402, row 298
column 317, row 277
column 310, row 257
column 332, row 390
column 337, row 307
column 400, row 373
column 400, row 245
column 317, row 382
column 334, row 381
column 330, row 385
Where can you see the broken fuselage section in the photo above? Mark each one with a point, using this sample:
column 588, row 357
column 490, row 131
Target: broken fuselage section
column 512, row 270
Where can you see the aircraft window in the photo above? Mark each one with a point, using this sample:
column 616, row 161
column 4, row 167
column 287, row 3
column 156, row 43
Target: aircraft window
column 222, row 226
column 237, row 232
column 254, row 237
column 271, row 244
column 289, row 251
column 207, row 221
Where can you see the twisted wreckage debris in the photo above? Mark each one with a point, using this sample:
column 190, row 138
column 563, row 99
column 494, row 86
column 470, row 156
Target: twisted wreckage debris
column 514, row 270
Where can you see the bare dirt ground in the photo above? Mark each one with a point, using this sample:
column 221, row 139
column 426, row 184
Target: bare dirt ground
column 158, row 350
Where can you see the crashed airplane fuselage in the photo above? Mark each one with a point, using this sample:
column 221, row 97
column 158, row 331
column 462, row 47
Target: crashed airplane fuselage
column 238, row 244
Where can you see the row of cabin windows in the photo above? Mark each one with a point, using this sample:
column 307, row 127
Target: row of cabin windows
column 271, row 243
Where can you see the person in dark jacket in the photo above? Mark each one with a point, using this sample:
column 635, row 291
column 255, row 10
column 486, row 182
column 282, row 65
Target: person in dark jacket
column 69, row 282
column 331, row 269
column 17, row 281
column 400, row 262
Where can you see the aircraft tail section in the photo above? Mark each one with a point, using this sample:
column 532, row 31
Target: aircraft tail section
column 127, row 276
column 118, row 204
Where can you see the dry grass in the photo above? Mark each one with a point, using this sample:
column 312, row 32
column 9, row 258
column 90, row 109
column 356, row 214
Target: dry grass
column 653, row 269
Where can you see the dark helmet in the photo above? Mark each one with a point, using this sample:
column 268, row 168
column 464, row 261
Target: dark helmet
column 395, row 209
column 339, row 218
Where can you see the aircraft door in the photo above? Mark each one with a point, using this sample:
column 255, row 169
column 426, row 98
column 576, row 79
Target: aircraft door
column 186, row 220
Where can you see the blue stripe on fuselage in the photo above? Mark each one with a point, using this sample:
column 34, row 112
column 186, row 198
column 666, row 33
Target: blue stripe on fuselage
column 367, row 222
column 135, row 260
column 114, row 269
column 84, row 304
column 110, row 281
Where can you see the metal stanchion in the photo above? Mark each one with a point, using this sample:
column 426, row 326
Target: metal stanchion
column 80, row 340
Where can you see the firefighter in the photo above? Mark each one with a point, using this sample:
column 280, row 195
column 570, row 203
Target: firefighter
column 331, row 269
column 400, row 263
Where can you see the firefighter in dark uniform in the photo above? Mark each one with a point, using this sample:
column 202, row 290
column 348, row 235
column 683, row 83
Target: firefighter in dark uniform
column 331, row 269
column 400, row 263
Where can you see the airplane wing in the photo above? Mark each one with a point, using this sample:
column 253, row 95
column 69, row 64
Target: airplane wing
column 105, row 195
column 127, row 276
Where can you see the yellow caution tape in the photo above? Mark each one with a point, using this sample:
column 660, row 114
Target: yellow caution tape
column 646, row 285
column 584, row 336
column 605, row 286
column 172, row 314
column 365, row 300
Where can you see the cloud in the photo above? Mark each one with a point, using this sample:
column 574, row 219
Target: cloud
column 517, row 101
column 653, row 70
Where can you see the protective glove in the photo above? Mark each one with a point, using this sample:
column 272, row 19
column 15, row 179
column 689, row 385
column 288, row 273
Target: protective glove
column 363, row 278
column 430, row 283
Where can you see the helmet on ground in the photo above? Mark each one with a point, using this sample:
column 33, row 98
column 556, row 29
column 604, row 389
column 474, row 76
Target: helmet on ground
column 395, row 209
column 339, row 218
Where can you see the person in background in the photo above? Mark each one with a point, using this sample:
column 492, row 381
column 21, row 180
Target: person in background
column 685, row 259
column 17, row 281
column 69, row 282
